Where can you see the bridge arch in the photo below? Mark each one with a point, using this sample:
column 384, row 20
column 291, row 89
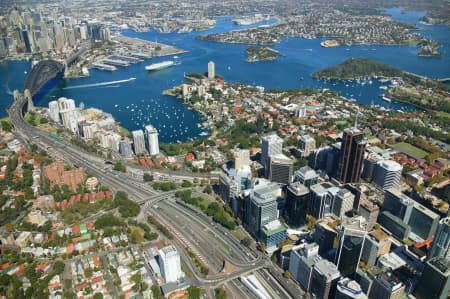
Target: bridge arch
column 41, row 73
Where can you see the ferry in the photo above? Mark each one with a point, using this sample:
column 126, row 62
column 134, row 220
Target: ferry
column 386, row 98
column 160, row 65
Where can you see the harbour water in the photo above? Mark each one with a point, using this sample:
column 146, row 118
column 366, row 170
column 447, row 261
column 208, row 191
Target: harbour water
column 136, row 103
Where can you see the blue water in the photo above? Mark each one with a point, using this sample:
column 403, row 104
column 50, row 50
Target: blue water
column 303, row 57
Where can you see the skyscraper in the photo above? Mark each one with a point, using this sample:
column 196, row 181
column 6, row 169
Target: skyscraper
column 306, row 145
column 324, row 280
column 387, row 174
column 350, row 245
column 139, row 142
column 241, row 159
column 211, row 70
column 271, row 145
column 322, row 196
column 387, row 286
column 435, row 280
column 297, row 200
column 398, row 204
column 280, row 169
column 343, row 202
column 441, row 243
column 152, row 140
column 169, row 262
column 262, row 207
column 125, row 148
column 306, row 176
column 351, row 156
column 53, row 111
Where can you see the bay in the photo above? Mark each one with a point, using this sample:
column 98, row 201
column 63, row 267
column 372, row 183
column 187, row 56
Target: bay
column 175, row 122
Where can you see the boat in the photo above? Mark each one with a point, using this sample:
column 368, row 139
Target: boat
column 386, row 99
column 159, row 65
column 384, row 87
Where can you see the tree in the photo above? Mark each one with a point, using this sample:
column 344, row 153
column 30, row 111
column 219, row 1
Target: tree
column 58, row 267
column 148, row 177
column 88, row 272
column 287, row 274
column 220, row 293
column 194, row 292
column 311, row 221
column 246, row 241
column 120, row 167
column 262, row 247
column 69, row 295
column 98, row 296
column 207, row 190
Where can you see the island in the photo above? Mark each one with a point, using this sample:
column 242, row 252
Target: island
column 407, row 87
column 330, row 43
column 256, row 53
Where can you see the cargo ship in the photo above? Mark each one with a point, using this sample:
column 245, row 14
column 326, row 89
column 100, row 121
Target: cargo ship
column 159, row 65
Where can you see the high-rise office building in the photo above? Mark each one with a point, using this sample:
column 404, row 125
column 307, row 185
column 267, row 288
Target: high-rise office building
column 350, row 245
column 241, row 159
column 387, row 286
column 387, row 174
column 435, row 279
column 423, row 223
column 139, row 142
column 297, row 200
column 376, row 244
column 53, row 111
column 271, row 145
column 301, row 264
column 306, row 145
column 211, row 70
column 306, row 176
column 152, row 140
column 280, row 169
column 125, row 148
column 349, row 289
column 272, row 234
column 169, row 263
column 369, row 167
column 324, row 280
column 351, row 156
column 369, row 211
column 325, row 236
column 398, row 204
column 261, row 208
column 321, row 200
column 441, row 243
column 343, row 202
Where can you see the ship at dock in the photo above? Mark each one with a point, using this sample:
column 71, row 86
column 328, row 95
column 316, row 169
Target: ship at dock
column 160, row 65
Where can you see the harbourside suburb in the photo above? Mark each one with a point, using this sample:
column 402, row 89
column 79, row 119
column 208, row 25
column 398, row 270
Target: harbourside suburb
column 413, row 89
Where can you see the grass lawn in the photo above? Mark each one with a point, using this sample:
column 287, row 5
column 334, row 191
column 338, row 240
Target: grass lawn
column 411, row 149
column 205, row 203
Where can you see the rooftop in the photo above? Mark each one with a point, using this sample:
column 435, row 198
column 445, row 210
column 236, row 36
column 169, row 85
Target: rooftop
column 327, row 269
column 298, row 189
column 390, row 165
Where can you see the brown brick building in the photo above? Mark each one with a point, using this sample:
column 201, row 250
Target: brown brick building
column 57, row 175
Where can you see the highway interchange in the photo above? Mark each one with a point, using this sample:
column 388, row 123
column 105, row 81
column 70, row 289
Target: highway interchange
column 213, row 243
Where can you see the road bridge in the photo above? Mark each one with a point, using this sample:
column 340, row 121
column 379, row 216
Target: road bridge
column 48, row 69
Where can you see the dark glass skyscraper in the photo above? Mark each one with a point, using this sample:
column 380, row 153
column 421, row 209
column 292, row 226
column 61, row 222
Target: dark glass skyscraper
column 352, row 156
